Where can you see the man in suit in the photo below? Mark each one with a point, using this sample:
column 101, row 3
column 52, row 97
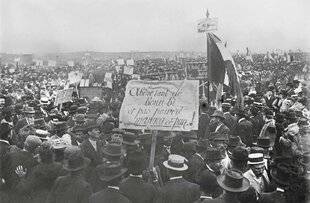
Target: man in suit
column 134, row 187
column 177, row 189
column 13, row 160
column 196, row 162
column 257, row 174
column 244, row 129
column 92, row 148
column 110, row 173
column 72, row 188
column 217, row 123
column 230, row 120
column 233, row 183
column 204, row 119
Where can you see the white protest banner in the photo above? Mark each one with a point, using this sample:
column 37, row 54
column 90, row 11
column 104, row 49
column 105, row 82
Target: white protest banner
column 117, row 68
column 109, row 85
column 70, row 63
column 128, row 70
column 75, row 76
column 63, row 96
column 130, row 62
column 160, row 105
column 51, row 63
column 108, row 77
column 120, row 62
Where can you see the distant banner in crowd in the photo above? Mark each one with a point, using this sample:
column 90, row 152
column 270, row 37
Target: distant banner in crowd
column 160, row 105
column 63, row 96
column 75, row 77
column 90, row 92
column 51, row 63
column 108, row 77
column 130, row 62
column 128, row 70
column 120, row 62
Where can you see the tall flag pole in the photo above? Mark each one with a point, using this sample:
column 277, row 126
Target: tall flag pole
column 220, row 62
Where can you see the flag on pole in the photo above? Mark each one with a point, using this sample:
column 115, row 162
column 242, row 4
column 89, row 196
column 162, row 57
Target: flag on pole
column 207, row 24
column 220, row 64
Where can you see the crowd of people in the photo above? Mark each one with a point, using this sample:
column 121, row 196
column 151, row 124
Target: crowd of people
column 76, row 152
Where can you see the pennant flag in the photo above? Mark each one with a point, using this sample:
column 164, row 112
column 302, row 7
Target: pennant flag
column 207, row 24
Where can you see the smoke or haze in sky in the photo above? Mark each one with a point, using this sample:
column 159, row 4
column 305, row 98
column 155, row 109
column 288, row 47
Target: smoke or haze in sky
column 41, row 26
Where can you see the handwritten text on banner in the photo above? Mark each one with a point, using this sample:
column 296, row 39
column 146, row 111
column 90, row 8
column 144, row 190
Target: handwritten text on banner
column 160, row 105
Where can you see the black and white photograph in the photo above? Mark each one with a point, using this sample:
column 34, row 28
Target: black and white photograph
column 154, row 101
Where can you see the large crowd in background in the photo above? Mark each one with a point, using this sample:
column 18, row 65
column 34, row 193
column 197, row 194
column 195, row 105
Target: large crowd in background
column 75, row 152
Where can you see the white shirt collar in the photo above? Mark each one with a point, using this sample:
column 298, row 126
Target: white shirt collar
column 113, row 187
column 199, row 155
column 93, row 143
column 177, row 177
column 241, row 119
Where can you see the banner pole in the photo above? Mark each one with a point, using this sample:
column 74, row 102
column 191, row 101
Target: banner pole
column 153, row 148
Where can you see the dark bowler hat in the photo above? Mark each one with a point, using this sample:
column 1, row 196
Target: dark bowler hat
column 213, row 154
column 235, row 141
column 233, row 181
column 204, row 144
column 113, row 149
column 82, row 110
column 110, row 170
column 76, row 161
column 263, row 142
column 239, row 153
column 256, row 150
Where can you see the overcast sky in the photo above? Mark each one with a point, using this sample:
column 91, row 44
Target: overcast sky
column 41, row 26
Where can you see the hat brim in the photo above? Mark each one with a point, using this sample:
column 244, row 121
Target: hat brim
column 109, row 178
column 262, row 146
column 184, row 168
column 131, row 143
column 86, row 162
column 255, row 163
column 245, row 184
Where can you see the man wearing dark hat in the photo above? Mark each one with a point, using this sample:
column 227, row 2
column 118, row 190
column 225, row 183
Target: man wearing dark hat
column 13, row 160
column 204, row 119
column 134, row 187
column 244, row 129
column 110, row 173
column 177, row 189
column 214, row 160
column 92, row 148
column 239, row 158
column 216, row 123
column 209, row 187
column 72, row 188
column 230, row 120
column 233, row 183
column 196, row 163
